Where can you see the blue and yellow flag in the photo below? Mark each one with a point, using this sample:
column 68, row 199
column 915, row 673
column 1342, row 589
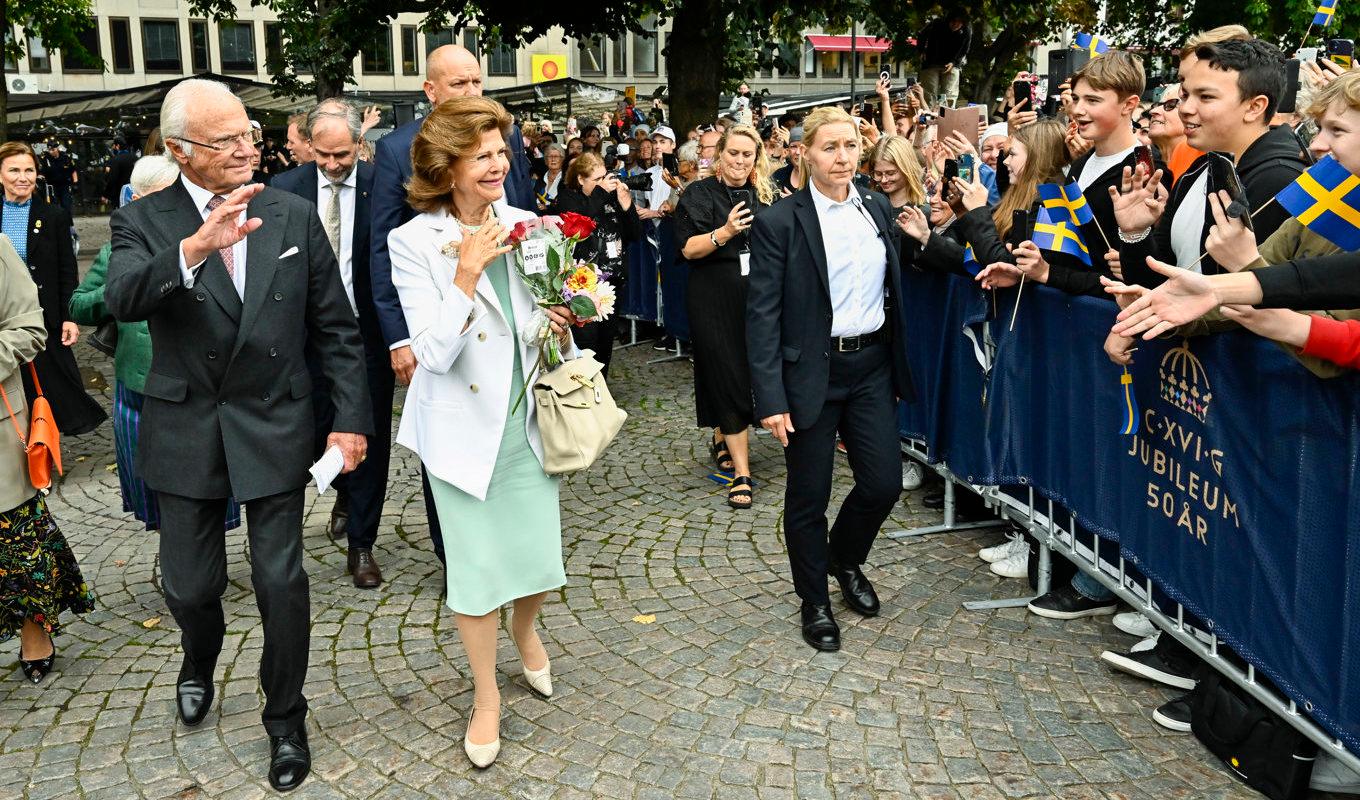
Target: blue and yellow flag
column 1130, row 425
column 1065, row 203
column 970, row 261
column 1326, row 200
column 1059, row 236
column 1325, row 10
column 1095, row 45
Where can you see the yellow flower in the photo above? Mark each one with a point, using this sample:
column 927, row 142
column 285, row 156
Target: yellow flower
column 582, row 279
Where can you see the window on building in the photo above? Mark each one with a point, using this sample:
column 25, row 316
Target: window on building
column 472, row 40
column 590, row 54
column 377, row 57
column 831, row 65
column 645, row 50
column 160, row 46
column 38, row 58
column 120, row 43
column 502, row 60
column 437, row 38
column 409, row 65
column 786, row 61
column 273, row 46
column 10, row 66
column 73, row 61
column 237, row 43
column 200, row 51
column 619, row 46
column 809, row 60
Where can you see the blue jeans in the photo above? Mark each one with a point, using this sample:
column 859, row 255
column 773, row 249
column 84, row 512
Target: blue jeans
column 1090, row 588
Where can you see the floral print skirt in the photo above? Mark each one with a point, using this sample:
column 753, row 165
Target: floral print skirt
column 39, row 577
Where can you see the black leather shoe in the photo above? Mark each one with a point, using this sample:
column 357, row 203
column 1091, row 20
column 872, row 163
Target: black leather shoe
column 339, row 522
column 856, row 589
column 364, row 567
column 819, row 628
column 193, row 698
column 37, row 668
column 289, row 760
column 934, row 500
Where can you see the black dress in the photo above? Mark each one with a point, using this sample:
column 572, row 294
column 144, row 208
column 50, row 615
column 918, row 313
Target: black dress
column 52, row 265
column 607, row 247
column 717, row 309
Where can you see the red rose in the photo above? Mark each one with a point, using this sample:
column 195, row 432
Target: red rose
column 577, row 226
column 522, row 230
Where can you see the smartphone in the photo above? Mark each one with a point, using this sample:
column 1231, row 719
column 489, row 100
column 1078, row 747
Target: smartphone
column 1019, row 227
column 885, row 75
column 670, row 163
column 1341, row 51
column 1223, row 177
column 966, row 167
column 951, row 171
column 1143, row 157
column 1289, row 101
column 1023, row 90
column 1307, row 54
column 741, row 196
column 911, row 81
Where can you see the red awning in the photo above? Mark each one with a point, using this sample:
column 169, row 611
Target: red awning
column 841, row 44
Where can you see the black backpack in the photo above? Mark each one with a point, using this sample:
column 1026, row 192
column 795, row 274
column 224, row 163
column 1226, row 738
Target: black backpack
column 1260, row 749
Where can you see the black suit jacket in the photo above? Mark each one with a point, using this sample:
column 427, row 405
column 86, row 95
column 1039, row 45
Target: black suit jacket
column 788, row 307
column 303, row 183
column 51, row 261
column 227, row 409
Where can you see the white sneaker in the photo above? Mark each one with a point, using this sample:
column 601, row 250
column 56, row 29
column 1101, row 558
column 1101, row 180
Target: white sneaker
column 1015, row 543
column 1134, row 624
column 1147, row 644
column 912, row 475
column 1015, row 566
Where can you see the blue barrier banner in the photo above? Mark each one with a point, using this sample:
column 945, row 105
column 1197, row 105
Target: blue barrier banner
column 1238, row 496
column 639, row 300
column 674, row 282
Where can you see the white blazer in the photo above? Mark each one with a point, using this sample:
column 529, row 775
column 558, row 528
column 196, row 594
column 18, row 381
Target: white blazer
column 459, row 396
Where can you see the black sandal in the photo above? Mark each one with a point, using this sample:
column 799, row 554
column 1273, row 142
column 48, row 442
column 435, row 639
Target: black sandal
column 720, row 455
column 734, row 491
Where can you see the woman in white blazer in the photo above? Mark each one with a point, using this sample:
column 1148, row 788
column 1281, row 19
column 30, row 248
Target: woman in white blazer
column 473, row 327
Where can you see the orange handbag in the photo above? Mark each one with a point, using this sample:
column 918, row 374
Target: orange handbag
column 43, row 443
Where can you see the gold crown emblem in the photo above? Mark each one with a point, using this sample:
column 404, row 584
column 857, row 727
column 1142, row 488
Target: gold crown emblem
column 1184, row 383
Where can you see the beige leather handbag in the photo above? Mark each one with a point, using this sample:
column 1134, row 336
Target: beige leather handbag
column 577, row 416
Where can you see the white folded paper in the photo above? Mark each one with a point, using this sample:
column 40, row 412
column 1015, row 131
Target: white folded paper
column 327, row 468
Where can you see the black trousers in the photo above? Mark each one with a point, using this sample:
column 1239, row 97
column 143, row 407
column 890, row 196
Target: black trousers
column 194, row 575
column 860, row 405
column 599, row 337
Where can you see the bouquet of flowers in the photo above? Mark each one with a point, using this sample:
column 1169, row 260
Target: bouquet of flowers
column 544, row 257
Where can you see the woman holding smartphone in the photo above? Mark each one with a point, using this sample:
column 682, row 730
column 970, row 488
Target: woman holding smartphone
column 712, row 226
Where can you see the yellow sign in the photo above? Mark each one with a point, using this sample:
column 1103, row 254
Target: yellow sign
column 548, row 67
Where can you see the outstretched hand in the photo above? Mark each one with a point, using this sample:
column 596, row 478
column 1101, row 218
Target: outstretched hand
column 221, row 229
column 1186, row 296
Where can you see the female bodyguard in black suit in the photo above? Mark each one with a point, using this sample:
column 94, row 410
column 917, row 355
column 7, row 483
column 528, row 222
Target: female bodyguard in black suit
column 824, row 340
column 41, row 232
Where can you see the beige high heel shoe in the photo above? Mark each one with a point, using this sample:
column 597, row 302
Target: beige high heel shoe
column 540, row 680
column 481, row 755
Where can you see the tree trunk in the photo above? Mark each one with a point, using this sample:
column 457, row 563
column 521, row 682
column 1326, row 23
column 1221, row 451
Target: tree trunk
column 993, row 61
column 694, row 57
column 328, row 86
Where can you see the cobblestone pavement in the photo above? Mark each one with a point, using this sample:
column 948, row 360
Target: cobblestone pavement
column 679, row 668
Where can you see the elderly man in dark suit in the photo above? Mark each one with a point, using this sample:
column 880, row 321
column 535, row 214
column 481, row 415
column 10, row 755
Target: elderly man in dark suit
column 824, row 330
column 235, row 280
column 339, row 185
column 450, row 71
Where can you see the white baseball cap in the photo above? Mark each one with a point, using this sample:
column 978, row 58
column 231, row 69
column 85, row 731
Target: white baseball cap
column 664, row 130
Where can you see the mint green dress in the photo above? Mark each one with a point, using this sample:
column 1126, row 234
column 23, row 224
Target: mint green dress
column 509, row 545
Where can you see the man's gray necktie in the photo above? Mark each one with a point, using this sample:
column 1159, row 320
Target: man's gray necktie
column 331, row 222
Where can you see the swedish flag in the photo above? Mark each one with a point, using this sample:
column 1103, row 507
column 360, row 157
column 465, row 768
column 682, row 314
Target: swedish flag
column 1095, row 45
column 970, row 261
column 1066, row 203
column 1059, row 236
column 1326, row 200
column 1325, row 10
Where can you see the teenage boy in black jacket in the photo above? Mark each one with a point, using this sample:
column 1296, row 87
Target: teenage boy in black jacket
column 1105, row 93
column 1228, row 95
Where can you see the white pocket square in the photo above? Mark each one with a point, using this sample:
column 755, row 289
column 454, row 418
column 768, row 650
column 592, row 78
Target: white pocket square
column 292, row 251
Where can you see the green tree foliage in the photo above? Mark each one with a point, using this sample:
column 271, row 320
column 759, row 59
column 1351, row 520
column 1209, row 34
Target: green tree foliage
column 58, row 23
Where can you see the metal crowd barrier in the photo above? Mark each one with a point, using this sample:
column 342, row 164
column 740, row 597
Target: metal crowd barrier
column 1054, row 538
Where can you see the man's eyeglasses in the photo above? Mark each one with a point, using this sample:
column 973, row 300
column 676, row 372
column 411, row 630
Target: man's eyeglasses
column 250, row 138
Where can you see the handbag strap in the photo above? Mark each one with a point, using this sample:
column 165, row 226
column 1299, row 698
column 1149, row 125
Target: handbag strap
column 37, row 387
column 5, row 396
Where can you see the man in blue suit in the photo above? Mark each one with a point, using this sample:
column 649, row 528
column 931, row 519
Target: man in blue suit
column 341, row 187
column 450, row 71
